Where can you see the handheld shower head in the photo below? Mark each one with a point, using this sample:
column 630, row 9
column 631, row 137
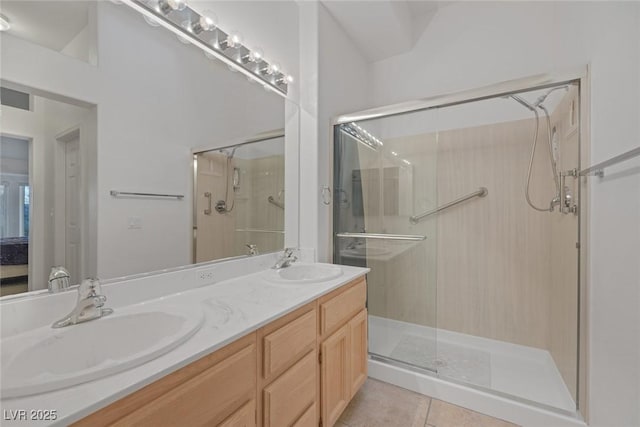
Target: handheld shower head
column 544, row 96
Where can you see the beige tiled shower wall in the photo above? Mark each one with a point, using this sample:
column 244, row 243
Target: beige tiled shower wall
column 495, row 267
column 214, row 235
column 494, row 252
column 260, row 223
column 253, row 220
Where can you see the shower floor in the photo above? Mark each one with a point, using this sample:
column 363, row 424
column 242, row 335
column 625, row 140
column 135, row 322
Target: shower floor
column 524, row 372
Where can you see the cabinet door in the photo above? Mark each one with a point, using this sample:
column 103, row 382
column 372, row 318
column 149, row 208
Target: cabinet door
column 336, row 384
column 358, row 351
column 243, row 417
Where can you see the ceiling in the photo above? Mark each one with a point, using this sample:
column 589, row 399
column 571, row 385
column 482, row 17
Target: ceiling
column 52, row 24
column 383, row 28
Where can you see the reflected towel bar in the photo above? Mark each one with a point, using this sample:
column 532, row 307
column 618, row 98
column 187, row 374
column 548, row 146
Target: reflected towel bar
column 412, row 237
column 115, row 193
column 480, row 193
column 598, row 169
column 273, row 201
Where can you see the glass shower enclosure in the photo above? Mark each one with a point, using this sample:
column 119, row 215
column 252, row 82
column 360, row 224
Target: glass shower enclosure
column 467, row 216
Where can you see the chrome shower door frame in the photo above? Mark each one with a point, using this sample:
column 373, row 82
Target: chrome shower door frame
column 581, row 76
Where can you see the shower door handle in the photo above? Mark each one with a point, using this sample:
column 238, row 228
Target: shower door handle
column 208, row 210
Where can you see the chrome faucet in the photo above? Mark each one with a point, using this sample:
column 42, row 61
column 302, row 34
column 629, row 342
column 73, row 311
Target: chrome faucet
column 253, row 250
column 58, row 279
column 285, row 261
column 88, row 306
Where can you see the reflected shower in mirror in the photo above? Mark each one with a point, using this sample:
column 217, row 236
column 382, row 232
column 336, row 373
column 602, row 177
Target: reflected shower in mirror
column 239, row 199
column 127, row 118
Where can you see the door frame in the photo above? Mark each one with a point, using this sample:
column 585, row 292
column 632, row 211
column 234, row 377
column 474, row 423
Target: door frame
column 60, row 208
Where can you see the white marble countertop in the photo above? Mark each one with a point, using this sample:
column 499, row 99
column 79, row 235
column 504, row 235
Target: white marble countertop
column 233, row 308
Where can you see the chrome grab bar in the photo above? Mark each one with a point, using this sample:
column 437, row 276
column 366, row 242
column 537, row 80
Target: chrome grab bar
column 598, row 169
column 207, row 195
column 480, row 193
column 115, row 193
column 412, row 237
column 273, row 201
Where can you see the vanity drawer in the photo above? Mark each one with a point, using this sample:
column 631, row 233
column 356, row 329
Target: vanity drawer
column 207, row 399
column 284, row 346
column 335, row 310
column 287, row 398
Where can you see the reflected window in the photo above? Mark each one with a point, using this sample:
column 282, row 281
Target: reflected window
column 25, row 203
column 4, row 224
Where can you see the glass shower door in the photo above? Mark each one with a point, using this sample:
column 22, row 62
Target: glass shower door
column 385, row 174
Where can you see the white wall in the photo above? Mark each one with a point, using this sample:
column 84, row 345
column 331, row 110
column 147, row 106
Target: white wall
column 338, row 79
column 156, row 98
column 153, row 109
column 474, row 44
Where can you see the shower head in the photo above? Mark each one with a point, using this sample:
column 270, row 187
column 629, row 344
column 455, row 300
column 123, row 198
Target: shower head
column 523, row 102
column 228, row 153
column 544, row 96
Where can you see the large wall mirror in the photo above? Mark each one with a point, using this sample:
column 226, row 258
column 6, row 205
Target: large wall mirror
column 113, row 131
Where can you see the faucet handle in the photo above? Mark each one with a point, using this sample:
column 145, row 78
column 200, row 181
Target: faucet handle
column 90, row 287
column 288, row 251
column 58, row 279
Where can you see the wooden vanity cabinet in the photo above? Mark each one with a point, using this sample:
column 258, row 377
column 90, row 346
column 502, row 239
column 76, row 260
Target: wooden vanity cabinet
column 219, row 389
column 298, row 371
column 288, row 375
column 343, row 348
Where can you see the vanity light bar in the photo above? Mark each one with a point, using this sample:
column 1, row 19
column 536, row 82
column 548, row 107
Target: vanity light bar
column 184, row 21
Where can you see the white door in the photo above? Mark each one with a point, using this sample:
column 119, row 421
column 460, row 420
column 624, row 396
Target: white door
column 72, row 209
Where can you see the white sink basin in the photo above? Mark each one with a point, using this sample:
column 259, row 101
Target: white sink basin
column 298, row 273
column 48, row 359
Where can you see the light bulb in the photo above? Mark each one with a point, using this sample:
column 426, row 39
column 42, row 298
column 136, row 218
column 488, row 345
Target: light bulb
column 273, row 68
column 177, row 4
column 288, row 79
column 207, row 22
column 167, row 6
column 182, row 39
column 234, row 40
column 5, row 23
column 255, row 55
column 151, row 21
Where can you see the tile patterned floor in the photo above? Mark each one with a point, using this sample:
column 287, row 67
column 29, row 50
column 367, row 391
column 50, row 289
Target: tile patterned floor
column 379, row 404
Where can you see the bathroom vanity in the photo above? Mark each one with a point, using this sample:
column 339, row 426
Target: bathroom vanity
column 271, row 351
column 302, row 366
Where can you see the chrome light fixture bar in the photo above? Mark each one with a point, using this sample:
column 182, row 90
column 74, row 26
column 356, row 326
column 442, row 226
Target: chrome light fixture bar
column 361, row 135
column 202, row 31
